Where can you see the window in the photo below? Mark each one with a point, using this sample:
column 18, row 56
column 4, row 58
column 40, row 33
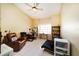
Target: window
column 44, row 29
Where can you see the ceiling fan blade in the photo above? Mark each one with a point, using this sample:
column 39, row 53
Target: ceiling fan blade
column 39, row 9
column 29, row 9
column 28, row 5
column 34, row 4
column 37, row 4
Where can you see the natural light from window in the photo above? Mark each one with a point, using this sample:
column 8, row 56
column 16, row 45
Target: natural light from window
column 44, row 29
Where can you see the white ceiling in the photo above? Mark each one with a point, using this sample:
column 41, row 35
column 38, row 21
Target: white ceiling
column 49, row 9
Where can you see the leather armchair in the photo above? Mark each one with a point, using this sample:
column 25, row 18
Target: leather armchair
column 49, row 46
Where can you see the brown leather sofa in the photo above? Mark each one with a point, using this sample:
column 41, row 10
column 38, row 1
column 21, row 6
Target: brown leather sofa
column 0, row 41
column 15, row 44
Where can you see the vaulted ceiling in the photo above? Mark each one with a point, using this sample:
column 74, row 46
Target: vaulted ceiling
column 49, row 9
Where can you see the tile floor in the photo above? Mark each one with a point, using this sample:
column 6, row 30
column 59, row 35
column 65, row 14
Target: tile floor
column 33, row 49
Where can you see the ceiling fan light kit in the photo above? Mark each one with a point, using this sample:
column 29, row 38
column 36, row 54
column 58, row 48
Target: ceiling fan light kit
column 34, row 7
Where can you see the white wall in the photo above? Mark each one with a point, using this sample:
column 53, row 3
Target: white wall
column 54, row 20
column 13, row 19
column 70, row 25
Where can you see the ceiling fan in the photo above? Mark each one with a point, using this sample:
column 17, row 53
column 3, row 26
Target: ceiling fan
column 34, row 7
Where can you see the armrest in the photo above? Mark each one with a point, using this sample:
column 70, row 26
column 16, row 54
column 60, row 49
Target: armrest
column 14, row 43
column 22, row 41
column 17, row 45
column 18, row 42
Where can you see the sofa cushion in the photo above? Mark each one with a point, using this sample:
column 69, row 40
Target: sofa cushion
column 13, row 39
